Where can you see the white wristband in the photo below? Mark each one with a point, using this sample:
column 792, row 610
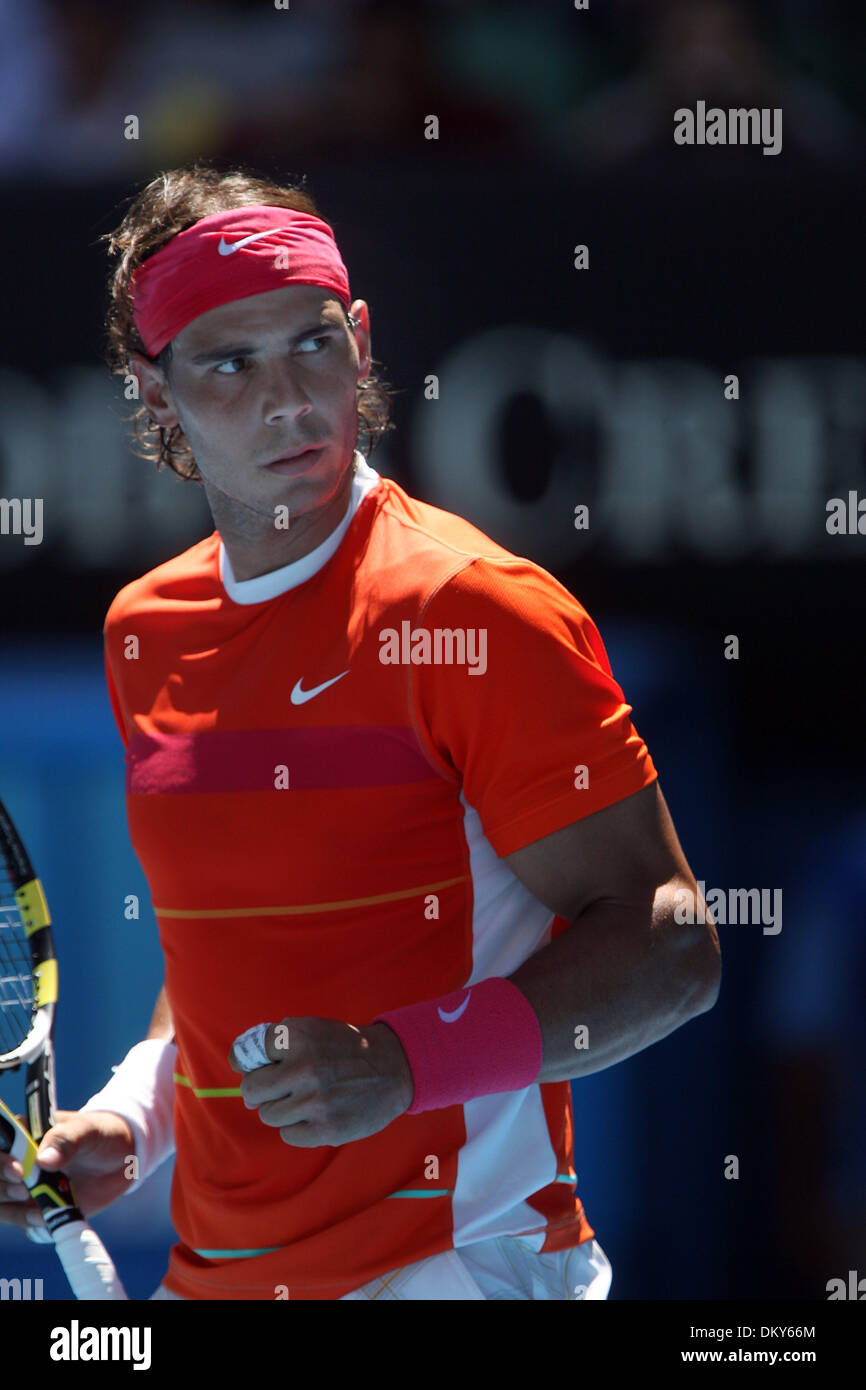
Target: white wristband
column 142, row 1092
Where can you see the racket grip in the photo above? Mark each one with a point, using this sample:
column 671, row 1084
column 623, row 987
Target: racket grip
column 88, row 1265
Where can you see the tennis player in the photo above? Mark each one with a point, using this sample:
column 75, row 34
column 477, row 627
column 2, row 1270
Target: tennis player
column 410, row 862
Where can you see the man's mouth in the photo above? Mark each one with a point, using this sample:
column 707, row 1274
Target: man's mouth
column 305, row 455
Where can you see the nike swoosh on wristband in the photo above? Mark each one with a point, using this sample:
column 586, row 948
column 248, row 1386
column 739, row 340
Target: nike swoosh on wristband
column 300, row 697
column 453, row 1017
column 226, row 248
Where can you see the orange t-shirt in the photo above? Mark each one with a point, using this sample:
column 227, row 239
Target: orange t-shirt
column 320, row 801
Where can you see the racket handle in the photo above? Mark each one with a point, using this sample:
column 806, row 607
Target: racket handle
column 88, row 1265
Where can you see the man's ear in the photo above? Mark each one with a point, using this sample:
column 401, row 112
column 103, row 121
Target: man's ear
column 154, row 391
column 361, row 313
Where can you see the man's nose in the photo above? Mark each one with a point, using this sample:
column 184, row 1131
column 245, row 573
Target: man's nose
column 283, row 394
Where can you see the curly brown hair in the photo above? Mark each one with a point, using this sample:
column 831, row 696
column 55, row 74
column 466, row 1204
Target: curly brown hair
column 171, row 202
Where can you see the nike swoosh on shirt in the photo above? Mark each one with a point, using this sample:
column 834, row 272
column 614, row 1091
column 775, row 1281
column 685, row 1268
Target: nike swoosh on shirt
column 300, row 697
column 226, row 248
column 453, row 1017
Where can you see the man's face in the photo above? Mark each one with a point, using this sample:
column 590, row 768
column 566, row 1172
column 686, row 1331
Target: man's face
column 260, row 378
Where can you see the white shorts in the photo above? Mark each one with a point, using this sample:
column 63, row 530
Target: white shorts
column 503, row 1268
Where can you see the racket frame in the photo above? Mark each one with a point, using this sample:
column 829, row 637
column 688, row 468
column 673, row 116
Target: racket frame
column 88, row 1266
column 52, row 1191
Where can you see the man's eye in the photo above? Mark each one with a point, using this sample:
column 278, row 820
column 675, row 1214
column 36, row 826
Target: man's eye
column 322, row 338
column 229, row 362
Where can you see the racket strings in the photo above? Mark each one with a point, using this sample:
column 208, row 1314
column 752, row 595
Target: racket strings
column 17, row 1002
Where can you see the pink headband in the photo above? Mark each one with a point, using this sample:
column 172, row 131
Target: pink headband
column 231, row 255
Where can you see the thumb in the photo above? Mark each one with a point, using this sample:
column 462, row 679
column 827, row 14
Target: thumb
column 60, row 1143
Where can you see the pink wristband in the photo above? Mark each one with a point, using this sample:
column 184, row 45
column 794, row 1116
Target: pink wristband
column 474, row 1042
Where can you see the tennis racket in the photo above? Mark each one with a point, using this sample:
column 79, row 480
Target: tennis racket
column 28, row 993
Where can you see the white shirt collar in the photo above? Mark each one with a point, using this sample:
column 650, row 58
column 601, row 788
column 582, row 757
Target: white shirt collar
column 280, row 581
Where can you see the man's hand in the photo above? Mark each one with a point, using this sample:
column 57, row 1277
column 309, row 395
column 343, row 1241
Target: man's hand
column 328, row 1082
column 92, row 1148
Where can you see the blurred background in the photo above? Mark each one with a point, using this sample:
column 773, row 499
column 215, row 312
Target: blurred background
column 557, row 387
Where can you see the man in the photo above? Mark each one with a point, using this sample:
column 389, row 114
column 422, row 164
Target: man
column 409, row 858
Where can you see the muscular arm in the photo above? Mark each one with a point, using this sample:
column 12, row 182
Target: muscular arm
column 625, row 968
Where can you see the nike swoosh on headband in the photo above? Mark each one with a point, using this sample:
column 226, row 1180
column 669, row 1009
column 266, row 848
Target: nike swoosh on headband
column 226, row 248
